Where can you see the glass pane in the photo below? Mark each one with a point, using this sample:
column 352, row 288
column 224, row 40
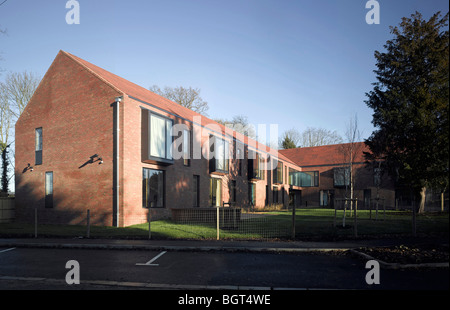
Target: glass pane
column 218, row 192
column 153, row 188
column 49, row 183
column 168, row 139
column 157, row 136
column 219, row 148
column 38, row 139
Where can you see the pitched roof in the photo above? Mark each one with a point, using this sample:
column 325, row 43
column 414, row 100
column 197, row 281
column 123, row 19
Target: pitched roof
column 137, row 92
column 324, row 155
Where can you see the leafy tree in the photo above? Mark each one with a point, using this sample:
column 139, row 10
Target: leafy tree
column 410, row 102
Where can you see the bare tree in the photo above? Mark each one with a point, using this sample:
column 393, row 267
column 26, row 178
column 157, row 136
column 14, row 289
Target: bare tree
column 350, row 150
column 187, row 97
column 19, row 87
column 6, row 117
column 239, row 123
column 2, row 31
column 15, row 93
column 318, row 136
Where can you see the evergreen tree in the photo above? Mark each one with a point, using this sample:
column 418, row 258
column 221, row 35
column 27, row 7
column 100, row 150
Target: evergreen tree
column 410, row 101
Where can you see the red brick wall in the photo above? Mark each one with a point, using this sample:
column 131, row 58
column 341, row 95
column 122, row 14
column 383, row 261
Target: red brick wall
column 74, row 109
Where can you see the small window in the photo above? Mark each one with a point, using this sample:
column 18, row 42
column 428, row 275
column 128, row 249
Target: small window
column 215, row 192
column 196, row 191
column 38, row 146
column 49, row 189
column 377, row 173
column 152, row 188
column 219, row 160
column 341, row 177
column 186, row 147
column 275, row 194
column 233, row 192
column 252, row 193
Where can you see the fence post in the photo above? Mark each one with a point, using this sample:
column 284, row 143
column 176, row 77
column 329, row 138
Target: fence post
column 293, row 222
column 35, row 222
column 217, row 226
column 356, row 222
column 88, row 224
column 413, row 218
column 345, row 208
column 149, row 217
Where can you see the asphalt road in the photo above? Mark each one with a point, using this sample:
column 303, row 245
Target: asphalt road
column 30, row 268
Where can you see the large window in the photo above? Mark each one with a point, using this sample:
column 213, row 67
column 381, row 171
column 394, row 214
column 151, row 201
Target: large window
column 38, row 146
column 278, row 173
column 215, row 192
column 303, row 178
column 219, row 160
column 152, row 188
column 255, row 165
column 309, row 178
column 341, row 176
column 160, row 137
column 49, row 189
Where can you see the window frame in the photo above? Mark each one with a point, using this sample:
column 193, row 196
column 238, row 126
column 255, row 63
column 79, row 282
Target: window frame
column 278, row 173
column 168, row 138
column 38, row 145
column 252, row 193
column 49, row 196
column 196, row 191
column 217, row 182
column 345, row 175
column 186, row 146
column 214, row 146
column 146, row 202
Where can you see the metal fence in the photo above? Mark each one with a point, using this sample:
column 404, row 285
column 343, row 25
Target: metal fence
column 7, row 209
column 346, row 219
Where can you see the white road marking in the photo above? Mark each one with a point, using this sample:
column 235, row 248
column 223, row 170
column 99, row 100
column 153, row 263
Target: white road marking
column 149, row 263
column 2, row 251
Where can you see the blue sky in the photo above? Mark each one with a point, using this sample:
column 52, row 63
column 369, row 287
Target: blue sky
column 297, row 64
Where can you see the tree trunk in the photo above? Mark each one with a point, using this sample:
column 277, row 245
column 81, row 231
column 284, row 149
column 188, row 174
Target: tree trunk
column 423, row 192
column 442, row 202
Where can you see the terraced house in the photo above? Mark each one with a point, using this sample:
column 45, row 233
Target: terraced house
column 91, row 140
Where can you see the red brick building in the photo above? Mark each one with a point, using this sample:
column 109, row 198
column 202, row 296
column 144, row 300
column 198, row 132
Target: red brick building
column 328, row 168
column 90, row 140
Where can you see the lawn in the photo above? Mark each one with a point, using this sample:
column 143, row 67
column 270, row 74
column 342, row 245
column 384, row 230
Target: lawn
column 309, row 223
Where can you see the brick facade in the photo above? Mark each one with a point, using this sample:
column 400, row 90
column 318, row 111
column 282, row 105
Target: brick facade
column 75, row 107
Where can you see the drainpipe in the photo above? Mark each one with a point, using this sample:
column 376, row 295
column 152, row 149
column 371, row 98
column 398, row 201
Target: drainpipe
column 116, row 163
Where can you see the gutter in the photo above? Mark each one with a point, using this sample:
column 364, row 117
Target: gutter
column 116, row 182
